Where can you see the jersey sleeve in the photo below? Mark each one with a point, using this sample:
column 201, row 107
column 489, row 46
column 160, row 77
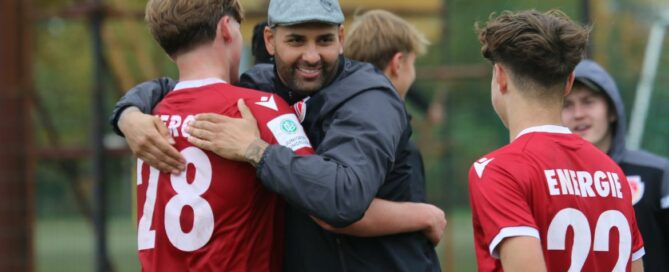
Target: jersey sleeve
column 499, row 204
column 637, row 242
column 278, row 124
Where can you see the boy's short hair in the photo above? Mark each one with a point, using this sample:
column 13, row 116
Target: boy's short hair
column 180, row 25
column 540, row 47
column 377, row 35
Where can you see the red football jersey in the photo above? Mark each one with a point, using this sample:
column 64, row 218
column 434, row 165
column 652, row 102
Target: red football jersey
column 555, row 186
column 215, row 216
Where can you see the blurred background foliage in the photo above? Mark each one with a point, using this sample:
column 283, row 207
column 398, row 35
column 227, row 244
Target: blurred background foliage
column 62, row 71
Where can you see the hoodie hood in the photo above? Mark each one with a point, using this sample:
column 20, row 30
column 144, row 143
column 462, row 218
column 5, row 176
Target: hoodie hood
column 590, row 73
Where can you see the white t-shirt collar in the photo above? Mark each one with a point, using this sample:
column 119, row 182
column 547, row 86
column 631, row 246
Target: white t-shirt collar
column 195, row 83
column 545, row 128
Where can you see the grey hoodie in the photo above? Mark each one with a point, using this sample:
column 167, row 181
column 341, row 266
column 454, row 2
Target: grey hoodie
column 648, row 173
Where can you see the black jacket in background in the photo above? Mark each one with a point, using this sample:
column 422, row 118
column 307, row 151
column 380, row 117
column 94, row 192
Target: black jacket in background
column 358, row 126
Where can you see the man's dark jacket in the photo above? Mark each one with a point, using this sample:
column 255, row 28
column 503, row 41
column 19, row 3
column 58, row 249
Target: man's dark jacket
column 358, row 127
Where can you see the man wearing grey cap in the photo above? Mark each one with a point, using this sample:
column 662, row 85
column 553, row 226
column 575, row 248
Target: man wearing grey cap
column 357, row 124
column 594, row 110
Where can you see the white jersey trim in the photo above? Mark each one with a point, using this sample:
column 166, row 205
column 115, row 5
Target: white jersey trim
column 664, row 202
column 638, row 254
column 196, row 83
column 511, row 232
column 545, row 128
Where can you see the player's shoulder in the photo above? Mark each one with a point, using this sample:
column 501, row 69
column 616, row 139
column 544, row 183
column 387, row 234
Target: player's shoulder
column 261, row 102
column 505, row 159
column 246, row 93
column 545, row 142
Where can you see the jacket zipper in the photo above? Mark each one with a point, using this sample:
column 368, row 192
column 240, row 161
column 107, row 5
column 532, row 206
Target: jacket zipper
column 341, row 254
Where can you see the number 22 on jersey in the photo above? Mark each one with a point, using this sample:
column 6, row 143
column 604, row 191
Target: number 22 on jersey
column 583, row 238
column 187, row 194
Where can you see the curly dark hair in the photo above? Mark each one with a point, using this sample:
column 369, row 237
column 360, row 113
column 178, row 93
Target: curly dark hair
column 541, row 47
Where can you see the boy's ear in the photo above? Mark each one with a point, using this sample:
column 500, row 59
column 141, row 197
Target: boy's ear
column 223, row 28
column 501, row 77
column 393, row 66
column 570, row 84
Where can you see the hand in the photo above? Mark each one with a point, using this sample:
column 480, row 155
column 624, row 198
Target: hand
column 150, row 140
column 230, row 138
column 436, row 223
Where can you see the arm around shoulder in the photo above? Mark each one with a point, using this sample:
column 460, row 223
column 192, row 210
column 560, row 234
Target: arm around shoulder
column 387, row 218
column 144, row 97
column 357, row 151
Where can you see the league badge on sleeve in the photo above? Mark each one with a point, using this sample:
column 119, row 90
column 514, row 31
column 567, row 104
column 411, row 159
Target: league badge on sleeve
column 637, row 187
column 288, row 132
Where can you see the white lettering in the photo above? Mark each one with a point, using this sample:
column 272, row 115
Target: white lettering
column 184, row 126
column 572, row 175
column 585, row 182
column 552, row 182
column 581, row 183
column 565, row 184
column 616, row 181
column 174, row 124
column 601, row 185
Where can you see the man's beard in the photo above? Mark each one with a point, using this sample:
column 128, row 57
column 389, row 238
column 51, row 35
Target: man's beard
column 289, row 75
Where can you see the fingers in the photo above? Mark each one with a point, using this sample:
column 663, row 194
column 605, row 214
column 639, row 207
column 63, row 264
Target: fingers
column 162, row 129
column 211, row 117
column 202, row 144
column 170, row 155
column 166, row 157
column 244, row 110
column 205, row 125
column 201, row 133
column 150, row 156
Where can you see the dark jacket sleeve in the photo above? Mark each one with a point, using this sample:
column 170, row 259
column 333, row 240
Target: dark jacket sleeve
column 144, row 96
column 355, row 155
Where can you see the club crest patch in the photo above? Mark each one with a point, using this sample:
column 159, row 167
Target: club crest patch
column 300, row 109
column 637, row 186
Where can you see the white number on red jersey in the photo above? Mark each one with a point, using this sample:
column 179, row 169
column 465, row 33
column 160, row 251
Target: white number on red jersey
column 557, row 232
column 187, row 195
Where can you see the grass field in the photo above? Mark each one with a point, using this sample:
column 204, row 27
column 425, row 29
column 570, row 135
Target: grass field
column 67, row 245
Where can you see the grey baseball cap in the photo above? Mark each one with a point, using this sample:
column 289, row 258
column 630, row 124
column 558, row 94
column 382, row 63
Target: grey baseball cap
column 293, row 12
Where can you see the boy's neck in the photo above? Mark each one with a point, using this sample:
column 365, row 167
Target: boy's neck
column 202, row 63
column 525, row 114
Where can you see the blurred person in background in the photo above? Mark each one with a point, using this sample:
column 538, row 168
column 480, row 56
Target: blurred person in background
column 357, row 123
column 594, row 110
column 391, row 44
column 548, row 200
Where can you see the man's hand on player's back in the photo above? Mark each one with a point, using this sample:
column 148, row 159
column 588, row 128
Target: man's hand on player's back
column 230, row 138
